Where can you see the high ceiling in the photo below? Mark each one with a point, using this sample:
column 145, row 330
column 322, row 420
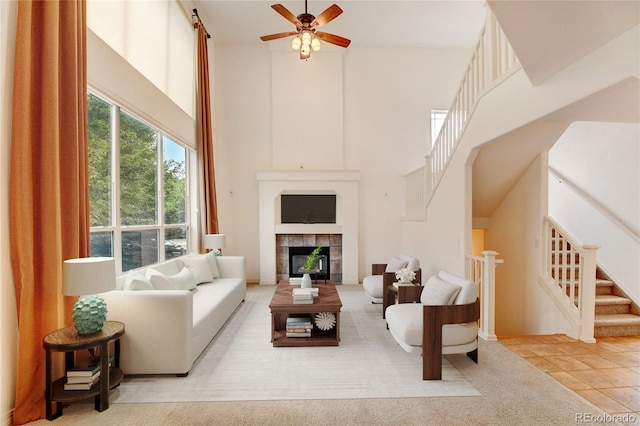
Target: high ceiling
column 445, row 23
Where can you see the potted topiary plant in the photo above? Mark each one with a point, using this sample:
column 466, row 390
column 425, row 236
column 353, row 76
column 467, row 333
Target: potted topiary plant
column 311, row 265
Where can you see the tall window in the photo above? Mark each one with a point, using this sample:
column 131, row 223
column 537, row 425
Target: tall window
column 138, row 187
column 437, row 120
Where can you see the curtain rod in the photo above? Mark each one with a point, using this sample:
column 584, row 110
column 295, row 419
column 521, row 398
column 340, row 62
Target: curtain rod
column 195, row 25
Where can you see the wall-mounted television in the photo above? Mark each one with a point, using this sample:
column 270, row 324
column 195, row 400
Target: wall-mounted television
column 307, row 208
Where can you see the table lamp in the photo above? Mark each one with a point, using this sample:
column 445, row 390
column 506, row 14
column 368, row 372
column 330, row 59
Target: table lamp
column 85, row 277
column 215, row 241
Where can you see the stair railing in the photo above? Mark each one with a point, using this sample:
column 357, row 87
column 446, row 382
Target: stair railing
column 481, row 270
column 569, row 275
column 493, row 60
column 601, row 208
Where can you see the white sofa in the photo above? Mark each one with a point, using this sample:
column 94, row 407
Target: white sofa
column 167, row 329
column 444, row 322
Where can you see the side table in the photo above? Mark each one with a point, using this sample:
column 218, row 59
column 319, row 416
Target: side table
column 68, row 340
column 405, row 293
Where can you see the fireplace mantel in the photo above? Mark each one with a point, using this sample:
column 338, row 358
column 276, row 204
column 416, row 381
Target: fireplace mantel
column 343, row 183
column 309, row 175
column 312, row 228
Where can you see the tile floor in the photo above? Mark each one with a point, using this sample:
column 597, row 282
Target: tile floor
column 606, row 373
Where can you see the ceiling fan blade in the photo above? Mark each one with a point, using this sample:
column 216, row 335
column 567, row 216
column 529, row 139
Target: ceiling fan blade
column 287, row 15
column 279, row 35
column 333, row 39
column 329, row 14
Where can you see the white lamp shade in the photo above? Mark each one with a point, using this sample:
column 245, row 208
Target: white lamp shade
column 296, row 43
column 88, row 275
column 315, row 44
column 306, row 38
column 214, row 241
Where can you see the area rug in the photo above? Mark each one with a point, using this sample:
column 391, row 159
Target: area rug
column 240, row 364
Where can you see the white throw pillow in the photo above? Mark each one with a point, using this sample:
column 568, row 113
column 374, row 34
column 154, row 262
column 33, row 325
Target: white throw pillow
column 438, row 292
column 213, row 264
column 199, row 267
column 395, row 264
column 183, row 280
column 135, row 281
column 158, row 279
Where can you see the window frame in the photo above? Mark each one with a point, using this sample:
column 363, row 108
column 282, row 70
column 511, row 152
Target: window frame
column 116, row 228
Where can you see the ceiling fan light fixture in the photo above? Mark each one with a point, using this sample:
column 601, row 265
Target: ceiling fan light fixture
column 315, row 44
column 306, row 38
column 296, row 43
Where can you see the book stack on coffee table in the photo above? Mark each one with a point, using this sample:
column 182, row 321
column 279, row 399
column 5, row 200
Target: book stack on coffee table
column 304, row 295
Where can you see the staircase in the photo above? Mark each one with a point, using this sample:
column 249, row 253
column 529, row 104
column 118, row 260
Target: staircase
column 615, row 313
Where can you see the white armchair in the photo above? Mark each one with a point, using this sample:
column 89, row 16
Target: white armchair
column 383, row 275
column 444, row 322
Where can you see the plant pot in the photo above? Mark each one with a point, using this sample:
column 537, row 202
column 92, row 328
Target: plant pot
column 306, row 281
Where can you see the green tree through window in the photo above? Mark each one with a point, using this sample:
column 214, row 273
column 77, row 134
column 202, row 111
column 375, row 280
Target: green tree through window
column 99, row 161
column 138, row 172
column 174, row 182
column 152, row 203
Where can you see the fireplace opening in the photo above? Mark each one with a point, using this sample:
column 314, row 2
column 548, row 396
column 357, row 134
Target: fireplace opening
column 298, row 257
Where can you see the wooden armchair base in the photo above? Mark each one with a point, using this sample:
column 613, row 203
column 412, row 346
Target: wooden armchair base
column 434, row 317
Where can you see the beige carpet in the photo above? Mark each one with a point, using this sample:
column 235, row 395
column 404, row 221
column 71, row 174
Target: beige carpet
column 511, row 391
column 241, row 364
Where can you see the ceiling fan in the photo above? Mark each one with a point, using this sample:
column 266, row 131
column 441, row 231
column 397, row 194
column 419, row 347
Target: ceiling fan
column 307, row 37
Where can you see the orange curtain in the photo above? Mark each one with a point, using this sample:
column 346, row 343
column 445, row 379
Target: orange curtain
column 208, row 202
column 49, row 193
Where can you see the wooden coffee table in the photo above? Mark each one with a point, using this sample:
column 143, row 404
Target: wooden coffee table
column 282, row 306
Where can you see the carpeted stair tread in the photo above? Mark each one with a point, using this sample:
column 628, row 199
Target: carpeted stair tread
column 599, row 283
column 610, row 299
column 617, row 319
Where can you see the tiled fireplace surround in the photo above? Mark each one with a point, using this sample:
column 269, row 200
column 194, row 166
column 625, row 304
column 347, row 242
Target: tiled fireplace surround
column 341, row 237
column 332, row 241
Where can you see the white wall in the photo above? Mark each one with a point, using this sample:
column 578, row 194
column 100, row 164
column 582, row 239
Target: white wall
column 110, row 74
column 8, row 319
column 168, row 29
column 387, row 94
column 603, row 161
column 307, row 116
column 241, row 101
column 522, row 305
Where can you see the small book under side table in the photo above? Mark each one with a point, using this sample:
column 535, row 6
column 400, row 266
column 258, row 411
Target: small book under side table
column 68, row 340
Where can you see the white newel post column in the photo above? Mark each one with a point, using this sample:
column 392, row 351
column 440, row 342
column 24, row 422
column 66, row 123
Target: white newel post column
column 588, row 293
column 488, row 297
